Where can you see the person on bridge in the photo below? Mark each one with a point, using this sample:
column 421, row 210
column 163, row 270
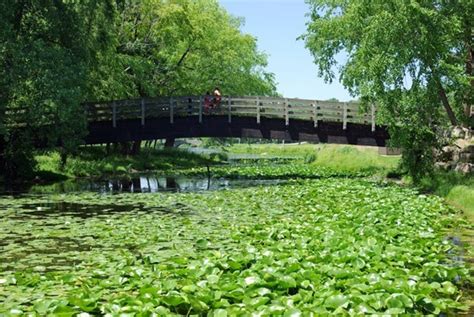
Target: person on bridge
column 217, row 97
column 207, row 102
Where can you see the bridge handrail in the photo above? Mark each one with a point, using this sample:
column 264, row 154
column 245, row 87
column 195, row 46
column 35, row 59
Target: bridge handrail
column 253, row 106
column 257, row 106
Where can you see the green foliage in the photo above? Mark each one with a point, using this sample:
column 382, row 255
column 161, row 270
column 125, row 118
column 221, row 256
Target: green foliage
column 56, row 55
column 310, row 158
column 47, row 50
column 456, row 188
column 407, row 57
column 96, row 162
column 329, row 246
column 339, row 158
column 180, row 47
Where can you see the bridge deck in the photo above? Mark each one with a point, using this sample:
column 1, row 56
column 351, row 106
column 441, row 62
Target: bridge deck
column 253, row 117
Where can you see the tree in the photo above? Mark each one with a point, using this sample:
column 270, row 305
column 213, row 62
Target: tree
column 412, row 58
column 57, row 54
column 48, row 48
column 180, row 47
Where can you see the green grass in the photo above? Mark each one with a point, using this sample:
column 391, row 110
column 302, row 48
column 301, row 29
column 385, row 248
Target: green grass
column 456, row 188
column 337, row 157
column 296, row 150
column 463, row 197
column 95, row 162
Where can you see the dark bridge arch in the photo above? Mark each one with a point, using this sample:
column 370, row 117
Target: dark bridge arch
column 249, row 117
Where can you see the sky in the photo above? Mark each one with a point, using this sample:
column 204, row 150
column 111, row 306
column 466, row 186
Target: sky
column 276, row 24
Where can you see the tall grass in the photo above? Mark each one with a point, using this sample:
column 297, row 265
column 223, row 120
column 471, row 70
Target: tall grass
column 456, row 188
column 340, row 157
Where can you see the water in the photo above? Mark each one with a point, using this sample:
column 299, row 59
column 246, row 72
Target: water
column 149, row 184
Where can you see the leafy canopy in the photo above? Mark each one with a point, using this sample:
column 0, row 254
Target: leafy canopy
column 413, row 58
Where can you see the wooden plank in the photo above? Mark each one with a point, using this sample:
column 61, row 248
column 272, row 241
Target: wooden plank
column 200, row 109
column 244, row 106
column 171, row 111
column 344, row 117
column 258, row 110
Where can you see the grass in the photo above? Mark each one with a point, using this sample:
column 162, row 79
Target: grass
column 95, row 162
column 456, row 188
column 338, row 157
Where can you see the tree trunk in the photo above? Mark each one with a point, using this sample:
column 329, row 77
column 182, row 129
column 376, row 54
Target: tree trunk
column 125, row 148
column 447, row 106
column 136, row 147
column 63, row 156
column 469, row 94
column 169, row 142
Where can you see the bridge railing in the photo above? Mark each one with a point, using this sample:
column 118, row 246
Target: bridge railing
column 258, row 107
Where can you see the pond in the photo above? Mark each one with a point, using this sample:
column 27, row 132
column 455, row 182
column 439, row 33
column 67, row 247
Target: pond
column 327, row 246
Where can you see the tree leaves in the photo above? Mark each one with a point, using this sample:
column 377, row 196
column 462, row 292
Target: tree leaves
column 407, row 57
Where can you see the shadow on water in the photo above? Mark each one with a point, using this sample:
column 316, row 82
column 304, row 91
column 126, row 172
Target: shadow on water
column 149, row 184
column 85, row 211
column 51, row 247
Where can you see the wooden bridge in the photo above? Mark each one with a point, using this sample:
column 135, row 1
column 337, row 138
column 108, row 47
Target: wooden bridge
column 247, row 117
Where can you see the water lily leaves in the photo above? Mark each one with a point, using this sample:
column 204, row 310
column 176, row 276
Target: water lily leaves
column 336, row 301
column 322, row 247
column 174, row 298
column 202, row 244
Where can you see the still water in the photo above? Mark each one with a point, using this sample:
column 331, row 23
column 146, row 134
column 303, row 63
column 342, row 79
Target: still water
column 151, row 184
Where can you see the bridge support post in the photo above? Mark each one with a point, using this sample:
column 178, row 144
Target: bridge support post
column 287, row 119
column 169, row 142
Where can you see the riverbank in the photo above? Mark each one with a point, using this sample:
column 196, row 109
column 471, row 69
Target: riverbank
column 95, row 162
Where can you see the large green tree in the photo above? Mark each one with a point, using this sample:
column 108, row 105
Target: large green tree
column 57, row 54
column 47, row 49
column 412, row 58
column 180, row 47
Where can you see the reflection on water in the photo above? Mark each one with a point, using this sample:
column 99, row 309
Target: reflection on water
column 151, row 184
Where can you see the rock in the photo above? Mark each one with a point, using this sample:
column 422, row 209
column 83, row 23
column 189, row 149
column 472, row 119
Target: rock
column 464, row 168
column 468, row 149
column 466, row 157
column 446, row 153
column 458, row 133
column 468, row 133
column 445, row 166
column 456, row 156
column 461, row 143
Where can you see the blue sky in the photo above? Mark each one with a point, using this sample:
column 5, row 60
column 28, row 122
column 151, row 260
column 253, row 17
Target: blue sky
column 276, row 24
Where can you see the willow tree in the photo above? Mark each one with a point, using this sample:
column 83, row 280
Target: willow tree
column 412, row 58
